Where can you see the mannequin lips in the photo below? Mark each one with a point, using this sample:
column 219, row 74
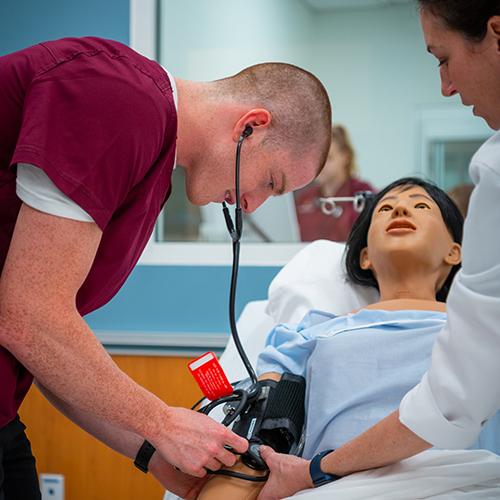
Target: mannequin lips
column 401, row 225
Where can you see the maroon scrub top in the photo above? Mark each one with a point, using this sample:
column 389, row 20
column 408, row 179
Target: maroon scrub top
column 100, row 120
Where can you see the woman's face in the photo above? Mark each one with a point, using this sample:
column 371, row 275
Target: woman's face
column 407, row 225
column 336, row 165
column 467, row 68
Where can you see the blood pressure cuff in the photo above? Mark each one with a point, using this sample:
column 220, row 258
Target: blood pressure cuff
column 276, row 418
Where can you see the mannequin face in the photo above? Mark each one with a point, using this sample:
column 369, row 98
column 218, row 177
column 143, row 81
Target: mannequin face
column 407, row 231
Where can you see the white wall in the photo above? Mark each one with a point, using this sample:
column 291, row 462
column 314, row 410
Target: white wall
column 205, row 40
column 379, row 76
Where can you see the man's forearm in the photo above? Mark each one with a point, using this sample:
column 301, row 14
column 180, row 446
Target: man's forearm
column 385, row 443
column 66, row 358
column 127, row 443
column 124, row 442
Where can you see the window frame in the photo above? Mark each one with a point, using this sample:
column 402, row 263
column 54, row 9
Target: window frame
column 446, row 123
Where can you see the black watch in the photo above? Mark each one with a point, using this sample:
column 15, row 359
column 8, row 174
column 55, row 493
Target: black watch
column 319, row 478
column 144, row 456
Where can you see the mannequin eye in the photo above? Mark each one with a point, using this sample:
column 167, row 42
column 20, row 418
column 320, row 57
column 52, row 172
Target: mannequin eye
column 384, row 208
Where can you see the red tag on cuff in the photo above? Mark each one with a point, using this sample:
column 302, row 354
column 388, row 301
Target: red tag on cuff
column 210, row 376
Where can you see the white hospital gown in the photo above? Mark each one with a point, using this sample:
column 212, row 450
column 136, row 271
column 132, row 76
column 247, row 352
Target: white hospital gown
column 358, row 367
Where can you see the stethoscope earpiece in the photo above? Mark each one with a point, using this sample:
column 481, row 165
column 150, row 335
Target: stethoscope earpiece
column 247, row 132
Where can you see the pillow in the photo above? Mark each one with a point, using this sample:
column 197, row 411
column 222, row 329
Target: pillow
column 315, row 278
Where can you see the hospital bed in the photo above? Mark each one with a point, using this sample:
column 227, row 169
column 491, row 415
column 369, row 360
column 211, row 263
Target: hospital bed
column 315, row 279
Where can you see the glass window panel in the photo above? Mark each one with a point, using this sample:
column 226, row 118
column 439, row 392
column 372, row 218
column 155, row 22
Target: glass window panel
column 353, row 51
column 449, row 162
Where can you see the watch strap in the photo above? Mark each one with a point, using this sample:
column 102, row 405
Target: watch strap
column 144, row 456
column 319, row 477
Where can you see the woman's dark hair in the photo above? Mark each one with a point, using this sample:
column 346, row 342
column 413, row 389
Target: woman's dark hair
column 358, row 236
column 469, row 17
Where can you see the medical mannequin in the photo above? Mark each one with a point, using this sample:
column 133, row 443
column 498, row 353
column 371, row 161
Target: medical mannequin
column 407, row 244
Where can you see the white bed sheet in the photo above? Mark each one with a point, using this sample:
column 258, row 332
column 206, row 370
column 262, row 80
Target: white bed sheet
column 433, row 474
column 445, row 474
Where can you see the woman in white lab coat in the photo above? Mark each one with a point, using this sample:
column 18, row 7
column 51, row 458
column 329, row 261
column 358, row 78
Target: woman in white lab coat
column 461, row 389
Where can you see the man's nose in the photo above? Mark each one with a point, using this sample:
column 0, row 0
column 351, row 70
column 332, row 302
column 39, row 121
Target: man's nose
column 252, row 201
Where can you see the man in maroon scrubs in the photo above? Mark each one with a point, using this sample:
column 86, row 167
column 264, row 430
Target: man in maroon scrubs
column 89, row 131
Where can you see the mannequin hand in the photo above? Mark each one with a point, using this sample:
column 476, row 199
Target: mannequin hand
column 177, row 482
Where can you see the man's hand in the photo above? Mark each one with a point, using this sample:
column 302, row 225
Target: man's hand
column 179, row 483
column 288, row 474
column 194, row 442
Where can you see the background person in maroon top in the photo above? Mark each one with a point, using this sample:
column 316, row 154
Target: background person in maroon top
column 338, row 178
column 98, row 122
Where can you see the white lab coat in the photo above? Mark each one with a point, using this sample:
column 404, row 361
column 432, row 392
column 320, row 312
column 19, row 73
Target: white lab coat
column 461, row 389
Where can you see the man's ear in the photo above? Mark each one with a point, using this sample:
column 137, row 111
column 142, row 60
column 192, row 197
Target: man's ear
column 258, row 118
column 364, row 261
column 493, row 29
column 454, row 256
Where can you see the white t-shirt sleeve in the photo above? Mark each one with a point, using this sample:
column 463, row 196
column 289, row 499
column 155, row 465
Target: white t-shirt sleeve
column 34, row 187
column 461, row 389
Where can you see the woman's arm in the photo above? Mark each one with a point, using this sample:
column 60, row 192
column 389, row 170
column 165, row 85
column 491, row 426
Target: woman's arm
column 387, row 442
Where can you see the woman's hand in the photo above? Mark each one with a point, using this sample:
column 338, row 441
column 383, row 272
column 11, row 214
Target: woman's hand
column 288, row 474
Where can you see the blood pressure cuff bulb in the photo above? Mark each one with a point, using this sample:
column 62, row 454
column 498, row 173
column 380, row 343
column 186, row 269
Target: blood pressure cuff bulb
column 276, row 417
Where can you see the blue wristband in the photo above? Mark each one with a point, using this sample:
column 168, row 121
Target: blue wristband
column 319, row 477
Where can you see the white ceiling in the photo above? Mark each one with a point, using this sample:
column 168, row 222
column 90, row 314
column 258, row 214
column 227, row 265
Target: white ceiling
column 323, row 5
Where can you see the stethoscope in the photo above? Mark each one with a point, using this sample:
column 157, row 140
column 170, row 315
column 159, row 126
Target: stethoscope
column 235, row 230
column 238, row 401
column 247, row 393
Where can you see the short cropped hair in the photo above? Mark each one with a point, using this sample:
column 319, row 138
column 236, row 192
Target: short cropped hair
column 468, row 17
column 297, row 100
column 358, row 237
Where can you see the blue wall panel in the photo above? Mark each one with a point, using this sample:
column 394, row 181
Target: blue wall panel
column 180, row 299
column 26, row 22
